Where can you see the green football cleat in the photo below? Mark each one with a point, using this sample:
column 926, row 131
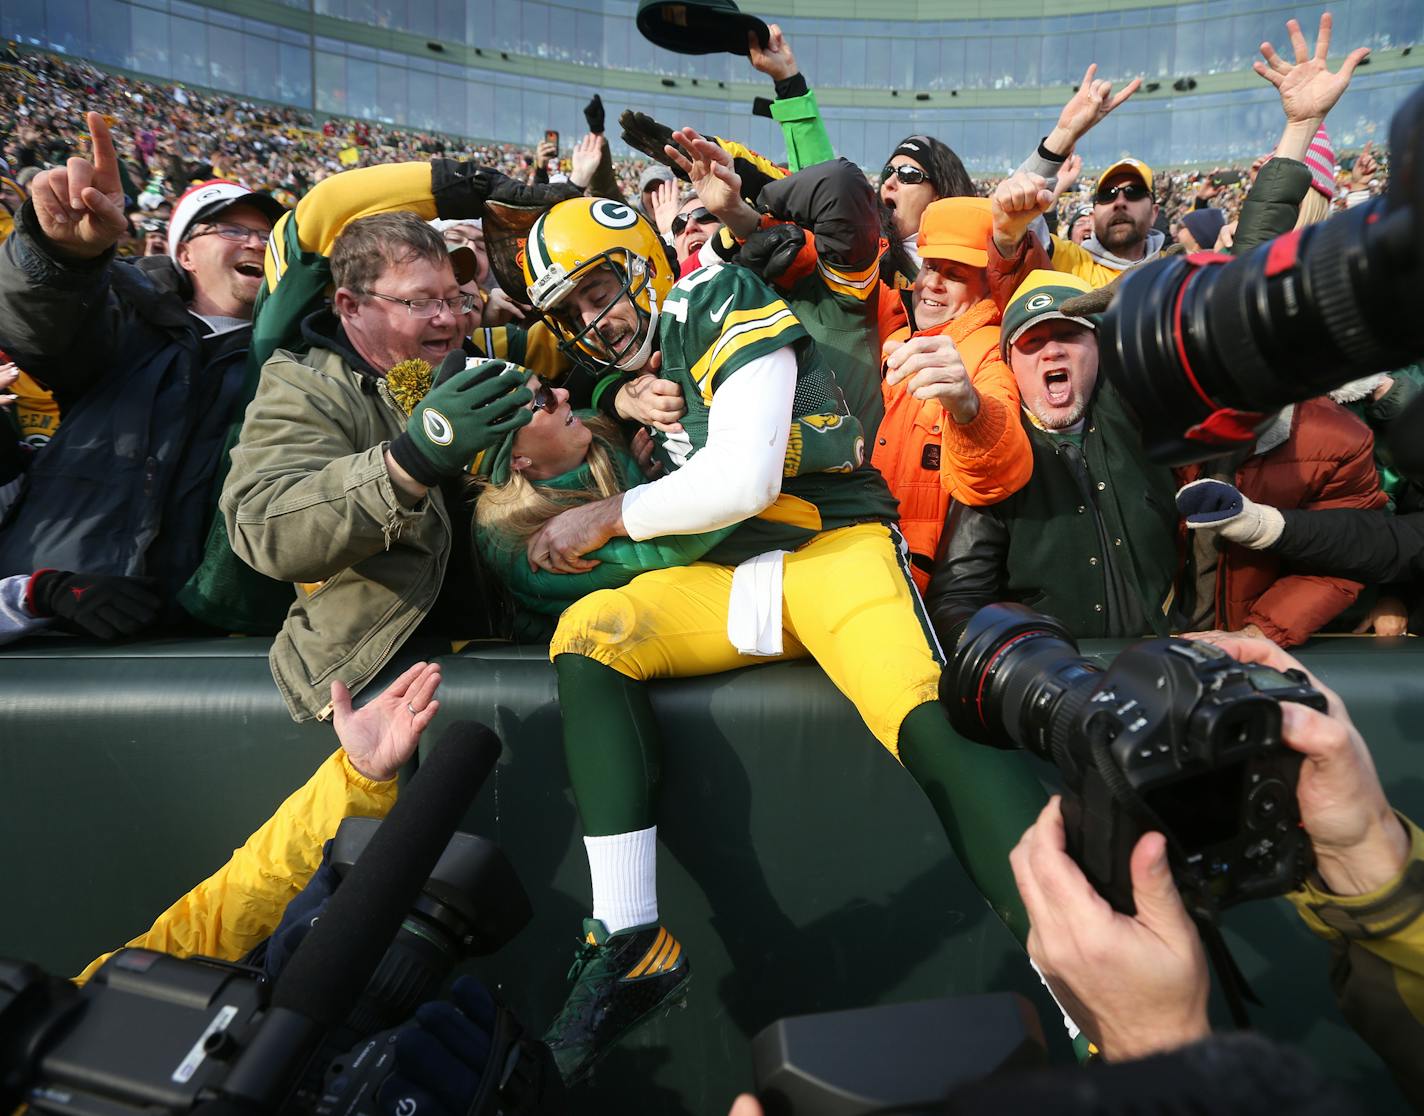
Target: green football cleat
column 619, row 981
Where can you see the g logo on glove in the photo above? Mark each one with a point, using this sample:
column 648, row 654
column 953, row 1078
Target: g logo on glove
column 437, row 427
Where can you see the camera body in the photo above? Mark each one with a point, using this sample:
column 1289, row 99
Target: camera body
column 1176, row 736
column 152, row 1033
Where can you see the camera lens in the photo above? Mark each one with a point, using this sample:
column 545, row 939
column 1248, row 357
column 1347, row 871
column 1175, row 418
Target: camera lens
column 1007, row 678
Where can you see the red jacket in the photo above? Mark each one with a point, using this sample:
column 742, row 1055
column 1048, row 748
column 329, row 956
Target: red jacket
column 1326, row 462
column 927, row 458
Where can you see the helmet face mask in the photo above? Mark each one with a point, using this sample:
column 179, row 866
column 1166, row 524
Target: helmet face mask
column 627, row 280
column 584, row 238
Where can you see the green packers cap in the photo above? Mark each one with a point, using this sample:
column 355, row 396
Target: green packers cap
column 1039, row 296
column 698, row 26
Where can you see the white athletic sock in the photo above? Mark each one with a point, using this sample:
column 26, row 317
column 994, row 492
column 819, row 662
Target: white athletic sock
column 625, row 879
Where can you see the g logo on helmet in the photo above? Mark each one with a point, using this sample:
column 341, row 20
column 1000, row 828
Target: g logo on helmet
column 613, row 215
column 1039, row 301
column 437, row 427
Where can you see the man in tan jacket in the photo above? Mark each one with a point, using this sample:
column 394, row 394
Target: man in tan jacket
column 356, row 495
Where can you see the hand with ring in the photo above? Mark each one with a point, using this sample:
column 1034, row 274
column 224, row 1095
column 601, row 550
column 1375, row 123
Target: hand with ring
column 377, row 739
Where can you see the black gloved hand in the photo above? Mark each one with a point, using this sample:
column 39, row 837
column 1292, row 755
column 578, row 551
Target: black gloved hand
column 593, row 113
column 440, row 1057
column 644, row 133
column 769, row 252
column 103, row 605
column 466, row 411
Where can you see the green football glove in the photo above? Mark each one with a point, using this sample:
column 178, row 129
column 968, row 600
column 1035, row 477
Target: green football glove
column 466, row 411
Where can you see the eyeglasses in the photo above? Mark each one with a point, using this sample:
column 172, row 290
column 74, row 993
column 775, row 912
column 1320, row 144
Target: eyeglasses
column 680, row 221
column 908, row 175
column 238, row 234
column 1132, row 191
column 544, row 399
column 430, row 307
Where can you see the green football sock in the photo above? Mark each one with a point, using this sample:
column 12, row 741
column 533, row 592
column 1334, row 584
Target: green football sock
column 985, row 799
column 610, row 744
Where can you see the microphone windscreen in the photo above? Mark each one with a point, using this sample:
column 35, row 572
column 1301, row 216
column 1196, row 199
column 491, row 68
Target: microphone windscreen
column 329, row 970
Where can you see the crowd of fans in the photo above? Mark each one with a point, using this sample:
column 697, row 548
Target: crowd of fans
column 676, row 415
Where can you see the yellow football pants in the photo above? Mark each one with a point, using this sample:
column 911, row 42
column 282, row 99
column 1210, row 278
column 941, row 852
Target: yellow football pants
column 847, row 601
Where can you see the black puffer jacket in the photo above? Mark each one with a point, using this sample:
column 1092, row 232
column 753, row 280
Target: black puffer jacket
column 146, row 392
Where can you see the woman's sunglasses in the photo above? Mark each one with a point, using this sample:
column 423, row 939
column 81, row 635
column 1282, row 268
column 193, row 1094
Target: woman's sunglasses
column 544, row 399
column 908, row 175
column 680, row 221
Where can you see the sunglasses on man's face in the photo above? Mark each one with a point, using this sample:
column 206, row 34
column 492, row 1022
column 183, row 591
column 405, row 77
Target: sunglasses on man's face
column 1132, row 191
column 680, row 221
column 908, row 175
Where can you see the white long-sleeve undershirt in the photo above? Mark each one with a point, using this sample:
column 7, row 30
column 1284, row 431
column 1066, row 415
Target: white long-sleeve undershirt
column 738, row 472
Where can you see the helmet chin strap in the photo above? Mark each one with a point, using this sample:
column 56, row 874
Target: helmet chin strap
column 634, row 361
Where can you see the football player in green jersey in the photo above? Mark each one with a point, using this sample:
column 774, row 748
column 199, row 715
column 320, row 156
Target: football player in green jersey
column 811, row 569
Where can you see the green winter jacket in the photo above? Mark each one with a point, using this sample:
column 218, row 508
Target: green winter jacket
column 1096, row 547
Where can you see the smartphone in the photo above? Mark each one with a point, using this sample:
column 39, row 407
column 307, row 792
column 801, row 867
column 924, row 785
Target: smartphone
column 552, row 136
column 1226, row 178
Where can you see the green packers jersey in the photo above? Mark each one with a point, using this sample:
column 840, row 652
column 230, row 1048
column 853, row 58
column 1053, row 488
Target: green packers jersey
column 715, row 321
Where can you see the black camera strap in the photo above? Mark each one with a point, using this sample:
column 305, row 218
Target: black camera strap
column 1234, row 986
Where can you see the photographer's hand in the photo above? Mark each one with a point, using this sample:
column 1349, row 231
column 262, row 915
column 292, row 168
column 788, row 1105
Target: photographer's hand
column 381, row 736
column 440, row 1056
column 1360, row 845
column 1137, row 984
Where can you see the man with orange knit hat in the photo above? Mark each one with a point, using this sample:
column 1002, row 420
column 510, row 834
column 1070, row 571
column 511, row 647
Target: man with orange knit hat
column 951, row 426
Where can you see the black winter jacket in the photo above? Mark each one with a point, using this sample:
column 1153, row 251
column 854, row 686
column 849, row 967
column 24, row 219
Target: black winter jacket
column 146, row 393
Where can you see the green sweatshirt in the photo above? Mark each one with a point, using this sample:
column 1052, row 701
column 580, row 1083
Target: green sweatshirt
column 619, row 560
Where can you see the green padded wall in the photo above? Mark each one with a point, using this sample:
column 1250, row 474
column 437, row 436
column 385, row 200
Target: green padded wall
column 800, row 865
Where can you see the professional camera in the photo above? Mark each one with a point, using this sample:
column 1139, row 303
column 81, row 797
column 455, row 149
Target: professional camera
column 1205, row 349
column 1176, row 736
column 155, row 1034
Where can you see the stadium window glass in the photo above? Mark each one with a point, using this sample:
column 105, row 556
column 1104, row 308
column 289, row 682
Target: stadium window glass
column 450, row 105
column 188, row 40
column 148, row 42
column 361, row 85
column 331, row 84
column 877, row 63
column 926, row 64
column 479, row 110
column 224, row 58
column 68, row 25
column 294, row 74
column 420, row 99
column 391, row 105
column 259, row 72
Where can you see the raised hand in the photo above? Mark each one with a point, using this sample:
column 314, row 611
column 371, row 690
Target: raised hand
column 381, row 736
column 587, row 154
column 1014, row 204
column 709, row 168
column 1069, row 174
column 80, row 207
column 1093, row 101
column 667, row 200
column 775, row 59
column 1308, row 89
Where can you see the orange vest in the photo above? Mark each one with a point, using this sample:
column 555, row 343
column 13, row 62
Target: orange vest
column 927, row 458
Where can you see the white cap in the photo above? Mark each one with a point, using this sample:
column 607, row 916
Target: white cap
column 207, row 199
